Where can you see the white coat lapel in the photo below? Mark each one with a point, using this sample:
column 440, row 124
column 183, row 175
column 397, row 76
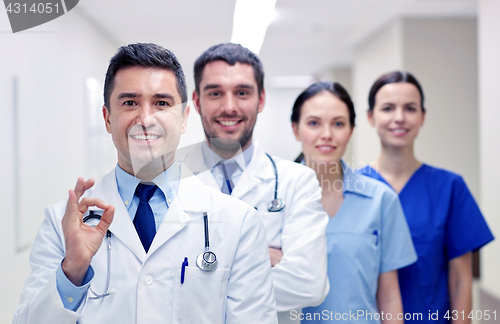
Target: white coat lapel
column 260, row 169
column 121, row 226
column 192, row 158
column 189, row 204
column 245, row 184
column 208, row 179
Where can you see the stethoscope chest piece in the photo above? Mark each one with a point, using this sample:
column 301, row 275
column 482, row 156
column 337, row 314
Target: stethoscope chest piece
column 207, row 261
column 276, row 205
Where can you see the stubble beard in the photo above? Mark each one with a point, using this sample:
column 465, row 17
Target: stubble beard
column 226, row 147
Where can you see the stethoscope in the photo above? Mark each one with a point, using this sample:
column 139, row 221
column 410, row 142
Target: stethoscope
column 107, row 292
column 206, row 261
column 275, row 205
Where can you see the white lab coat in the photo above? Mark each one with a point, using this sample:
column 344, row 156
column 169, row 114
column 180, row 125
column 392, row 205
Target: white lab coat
column 148, row 288
column 300, row 279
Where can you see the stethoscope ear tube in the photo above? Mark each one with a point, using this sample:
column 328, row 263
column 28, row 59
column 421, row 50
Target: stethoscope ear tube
column 207, row 260
column 205, row 223
column 277, row 204
column 107, row 292
column 108, row 274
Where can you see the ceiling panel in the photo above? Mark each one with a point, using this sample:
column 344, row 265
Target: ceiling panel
column 305, row 37
column 186, row 27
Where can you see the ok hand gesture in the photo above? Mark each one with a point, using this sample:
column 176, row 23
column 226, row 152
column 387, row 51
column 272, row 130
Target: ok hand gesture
column 82, row 240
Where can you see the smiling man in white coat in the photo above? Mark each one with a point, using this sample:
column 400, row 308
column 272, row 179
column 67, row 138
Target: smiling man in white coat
column 229, row 82
column 167, row 248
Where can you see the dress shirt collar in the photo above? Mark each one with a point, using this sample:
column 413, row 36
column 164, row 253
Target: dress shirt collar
column 211, row 158
column 167, row 181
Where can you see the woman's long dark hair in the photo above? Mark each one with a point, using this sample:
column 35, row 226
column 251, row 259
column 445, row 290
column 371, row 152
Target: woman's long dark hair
column 334, row 88
column 393, row 77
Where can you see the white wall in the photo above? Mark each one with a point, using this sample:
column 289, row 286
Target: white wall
column 273, row 128
column 442, row 54
column 381, row 53
column 50, row 63
column 489, row 135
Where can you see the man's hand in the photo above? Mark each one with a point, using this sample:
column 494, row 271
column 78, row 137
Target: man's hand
column 82, row 240
column 275, row 255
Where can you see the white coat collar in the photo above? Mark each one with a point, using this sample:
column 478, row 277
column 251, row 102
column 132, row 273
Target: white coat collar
column 192, row 157
column 241, row 158
column 259, row 169
column 261, row 165
column 189, row 203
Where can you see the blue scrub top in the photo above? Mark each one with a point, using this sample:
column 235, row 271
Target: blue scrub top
column 367, row 236
column 445, row 222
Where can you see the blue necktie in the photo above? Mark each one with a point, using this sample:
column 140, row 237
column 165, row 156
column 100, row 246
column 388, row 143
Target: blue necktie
column 144, row 220
column 228, row 169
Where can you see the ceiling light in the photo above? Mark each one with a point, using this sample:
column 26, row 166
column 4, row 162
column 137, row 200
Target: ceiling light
column 250, row 22
column 290, row 81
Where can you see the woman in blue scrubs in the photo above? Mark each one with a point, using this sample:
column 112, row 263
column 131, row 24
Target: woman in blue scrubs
column 367, row 236
column 444, row 220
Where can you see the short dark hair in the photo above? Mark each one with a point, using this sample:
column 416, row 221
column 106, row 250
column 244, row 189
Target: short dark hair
column 393, row 77
column 144, row 55
column 231, row 54
column 334, row 88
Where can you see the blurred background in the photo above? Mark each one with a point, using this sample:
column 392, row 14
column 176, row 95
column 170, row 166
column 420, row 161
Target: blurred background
column 51, row 79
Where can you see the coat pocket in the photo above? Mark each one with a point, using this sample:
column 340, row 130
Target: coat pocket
column 202, row 296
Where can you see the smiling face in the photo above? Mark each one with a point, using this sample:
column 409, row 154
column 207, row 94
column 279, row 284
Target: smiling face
column 228, row 103
column 145, row 118
column 397, row 114
column 323, row 128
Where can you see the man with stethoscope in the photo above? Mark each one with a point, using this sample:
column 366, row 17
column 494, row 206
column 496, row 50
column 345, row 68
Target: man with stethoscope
column 151, row 243
column 229, row 94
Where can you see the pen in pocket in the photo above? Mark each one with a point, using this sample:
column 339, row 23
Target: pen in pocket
column 183, row 269
column 375, row 232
